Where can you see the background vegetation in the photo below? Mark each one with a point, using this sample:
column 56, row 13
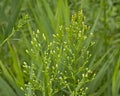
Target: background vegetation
column 38, row 45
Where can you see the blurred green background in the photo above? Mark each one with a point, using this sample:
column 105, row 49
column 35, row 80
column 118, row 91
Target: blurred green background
column 103, row 17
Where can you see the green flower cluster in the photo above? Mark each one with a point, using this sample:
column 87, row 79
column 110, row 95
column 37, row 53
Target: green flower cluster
column 60, row 64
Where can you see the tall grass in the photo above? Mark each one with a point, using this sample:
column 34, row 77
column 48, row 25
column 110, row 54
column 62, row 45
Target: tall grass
column 45, row 49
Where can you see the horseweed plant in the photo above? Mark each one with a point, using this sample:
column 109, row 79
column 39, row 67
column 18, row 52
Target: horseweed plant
column 58, row 67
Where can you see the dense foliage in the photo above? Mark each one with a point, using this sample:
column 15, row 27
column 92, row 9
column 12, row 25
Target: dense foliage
column 59, row 48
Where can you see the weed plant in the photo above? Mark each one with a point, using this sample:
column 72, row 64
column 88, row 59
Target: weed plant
column 58, row 67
